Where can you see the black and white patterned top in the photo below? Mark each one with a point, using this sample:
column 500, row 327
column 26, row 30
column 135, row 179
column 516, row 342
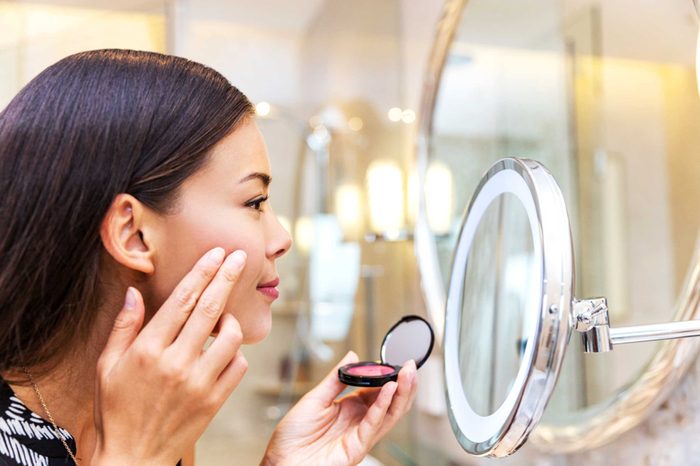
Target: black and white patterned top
column 26, row 439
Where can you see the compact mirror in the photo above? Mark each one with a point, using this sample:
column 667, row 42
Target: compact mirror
column 511, row 309
column 410, row 338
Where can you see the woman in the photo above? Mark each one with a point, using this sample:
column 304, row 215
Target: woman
column 135, row 223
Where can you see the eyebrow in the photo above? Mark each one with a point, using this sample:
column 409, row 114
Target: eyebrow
column 263, row 177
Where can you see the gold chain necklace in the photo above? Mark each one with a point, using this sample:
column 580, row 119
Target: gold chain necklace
column 48, row 414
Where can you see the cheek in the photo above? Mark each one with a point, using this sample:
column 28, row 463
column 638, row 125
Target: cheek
column 188, row 238
column 246, row 303
column 230, row 232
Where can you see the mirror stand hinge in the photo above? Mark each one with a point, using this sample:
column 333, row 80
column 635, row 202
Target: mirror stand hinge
column 592, row 320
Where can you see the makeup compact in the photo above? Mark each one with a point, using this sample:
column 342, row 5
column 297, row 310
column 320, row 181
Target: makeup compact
column 410, row 338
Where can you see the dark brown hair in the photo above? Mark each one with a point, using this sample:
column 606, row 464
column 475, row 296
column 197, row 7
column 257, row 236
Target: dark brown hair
column 87, row 128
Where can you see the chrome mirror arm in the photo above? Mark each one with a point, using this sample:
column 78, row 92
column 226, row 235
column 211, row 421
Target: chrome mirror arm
column 592, row 321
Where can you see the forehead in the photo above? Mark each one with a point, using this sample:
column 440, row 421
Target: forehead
column 239, row 153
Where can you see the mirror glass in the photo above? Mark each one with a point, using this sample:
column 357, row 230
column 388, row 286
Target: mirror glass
column 411, row 338
column 503, row 92
column 498, row 289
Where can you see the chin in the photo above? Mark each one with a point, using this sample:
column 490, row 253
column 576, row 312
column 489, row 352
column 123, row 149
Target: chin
column 257, row 332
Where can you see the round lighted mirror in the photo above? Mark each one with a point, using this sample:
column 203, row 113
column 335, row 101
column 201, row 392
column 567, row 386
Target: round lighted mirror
column 511, row 309
column 508, row 307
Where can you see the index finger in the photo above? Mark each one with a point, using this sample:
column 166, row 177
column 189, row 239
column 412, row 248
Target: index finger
column 167, row 322
column 210, row 306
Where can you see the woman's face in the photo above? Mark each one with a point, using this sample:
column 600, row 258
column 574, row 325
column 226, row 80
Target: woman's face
column 224, row 204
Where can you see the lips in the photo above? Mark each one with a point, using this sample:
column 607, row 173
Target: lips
column 270, row 284
column 269, row 289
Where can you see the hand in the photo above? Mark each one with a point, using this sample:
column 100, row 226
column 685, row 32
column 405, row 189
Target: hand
column 157, row 390
column 325, row 431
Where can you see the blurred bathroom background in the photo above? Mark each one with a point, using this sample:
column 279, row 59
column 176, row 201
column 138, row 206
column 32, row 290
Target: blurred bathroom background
column 338, row 85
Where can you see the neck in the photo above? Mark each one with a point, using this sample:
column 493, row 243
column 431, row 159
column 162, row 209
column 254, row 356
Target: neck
column 69, row 388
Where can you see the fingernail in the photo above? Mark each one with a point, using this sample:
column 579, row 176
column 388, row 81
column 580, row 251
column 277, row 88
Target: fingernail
column 130, row 301
column 216, row 255
column 237, row 258
column 414, row 371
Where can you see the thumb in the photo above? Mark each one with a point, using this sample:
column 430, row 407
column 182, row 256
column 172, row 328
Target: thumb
column 330, row 387
column 126, row 326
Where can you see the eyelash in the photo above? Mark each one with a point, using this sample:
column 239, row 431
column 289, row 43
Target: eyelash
column 257, row 203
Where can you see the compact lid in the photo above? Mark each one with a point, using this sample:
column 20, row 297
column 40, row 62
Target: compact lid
column 410, row 338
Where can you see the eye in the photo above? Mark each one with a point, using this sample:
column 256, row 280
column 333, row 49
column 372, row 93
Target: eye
column 257, row 202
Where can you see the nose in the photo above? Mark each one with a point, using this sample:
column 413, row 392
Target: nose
column 280, row 239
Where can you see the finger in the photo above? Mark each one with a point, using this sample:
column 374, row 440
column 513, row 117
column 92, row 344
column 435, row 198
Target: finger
column 330, row 387
column 407, row 388
column 231, row 377
column 371, row 424
column 208, row 309
column 125, row 329
column 368, row 395
column 414, row 390
column 402, row 401
column 223, row 349
column 172, row 315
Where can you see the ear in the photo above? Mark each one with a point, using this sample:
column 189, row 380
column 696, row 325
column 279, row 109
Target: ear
column 122, row 234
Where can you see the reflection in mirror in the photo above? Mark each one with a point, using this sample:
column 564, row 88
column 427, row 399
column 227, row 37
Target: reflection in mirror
column 498, row 288
column 616, row 124
column 503, row 92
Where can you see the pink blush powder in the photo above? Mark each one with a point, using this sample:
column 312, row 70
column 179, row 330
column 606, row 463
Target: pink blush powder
column 370, row 370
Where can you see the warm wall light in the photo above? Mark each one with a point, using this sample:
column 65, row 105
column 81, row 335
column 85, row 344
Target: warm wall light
column 262, row 109
column 348, row 210
column 319, row 138
column 355, row 123
column 385, row 194
column 439, row 197
column 304, row 234
column 408, row 116
column 395, row 114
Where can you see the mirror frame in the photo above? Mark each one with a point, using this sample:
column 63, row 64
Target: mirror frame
column 599, row 424
column 502, row 432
